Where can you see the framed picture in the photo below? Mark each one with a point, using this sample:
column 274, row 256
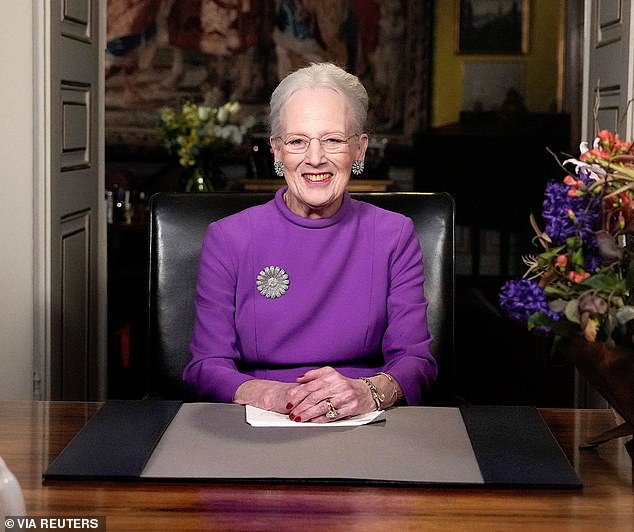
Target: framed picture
column 492, row 26
column 490, row 86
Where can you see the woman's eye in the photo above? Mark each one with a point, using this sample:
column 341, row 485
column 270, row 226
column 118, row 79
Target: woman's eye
column 332, row 140
column 296, row 142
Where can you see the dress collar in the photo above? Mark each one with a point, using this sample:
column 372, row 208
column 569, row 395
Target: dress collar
column 311, row 223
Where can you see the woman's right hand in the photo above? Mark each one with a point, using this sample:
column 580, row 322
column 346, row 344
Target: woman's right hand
column 268, row 395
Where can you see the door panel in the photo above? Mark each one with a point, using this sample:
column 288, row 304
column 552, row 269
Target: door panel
column 75, row 311
column 76, row 361
column 608, row 87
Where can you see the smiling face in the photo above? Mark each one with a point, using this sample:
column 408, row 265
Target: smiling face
column 317, row 179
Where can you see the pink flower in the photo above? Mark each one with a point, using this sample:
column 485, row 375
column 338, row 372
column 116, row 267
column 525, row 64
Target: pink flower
column 606, row 137
column 577, row 277
column 621, row 147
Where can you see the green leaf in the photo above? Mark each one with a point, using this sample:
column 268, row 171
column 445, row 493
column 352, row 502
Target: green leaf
column 560, row 328
column 574, row 242
column 606, row 282
column 559, row 291
column 550, row 255
column 572, row 311
column 576, row 258
column 557, row 305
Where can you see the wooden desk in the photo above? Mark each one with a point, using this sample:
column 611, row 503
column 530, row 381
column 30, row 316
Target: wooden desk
column 33, row 433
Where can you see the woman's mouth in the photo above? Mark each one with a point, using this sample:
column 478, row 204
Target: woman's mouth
column 317, row 178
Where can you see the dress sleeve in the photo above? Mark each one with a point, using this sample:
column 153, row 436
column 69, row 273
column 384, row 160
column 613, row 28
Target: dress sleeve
column 212, row 372
column 407, row 340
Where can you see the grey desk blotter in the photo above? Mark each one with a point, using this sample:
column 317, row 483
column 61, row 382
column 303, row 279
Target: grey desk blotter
column 413, row 445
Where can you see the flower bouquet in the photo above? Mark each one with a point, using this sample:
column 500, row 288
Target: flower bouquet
column 580, row 285
column 200, row 135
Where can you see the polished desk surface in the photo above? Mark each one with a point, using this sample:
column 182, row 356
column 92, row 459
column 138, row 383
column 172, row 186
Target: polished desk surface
column 33, row 433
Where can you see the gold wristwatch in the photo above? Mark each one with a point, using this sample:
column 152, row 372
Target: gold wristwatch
column 377, row 395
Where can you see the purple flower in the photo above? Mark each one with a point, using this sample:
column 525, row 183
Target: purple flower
column 521, row 298
column 557, row 207
column 592, row 260
column 584, row 221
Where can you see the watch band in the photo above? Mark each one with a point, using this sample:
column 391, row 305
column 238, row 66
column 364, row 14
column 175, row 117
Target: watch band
column 377, row 395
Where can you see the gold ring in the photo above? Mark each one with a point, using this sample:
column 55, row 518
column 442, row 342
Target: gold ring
column 332, row 411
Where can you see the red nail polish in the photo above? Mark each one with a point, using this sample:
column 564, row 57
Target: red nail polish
column 298, row 419
column 289, row 406
column 291, row 417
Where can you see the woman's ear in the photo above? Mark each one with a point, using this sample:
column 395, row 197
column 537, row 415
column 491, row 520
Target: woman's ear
column 363, row 146
column 275, row 148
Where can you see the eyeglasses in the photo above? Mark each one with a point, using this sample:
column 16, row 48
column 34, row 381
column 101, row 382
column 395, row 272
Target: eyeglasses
column 330, row 143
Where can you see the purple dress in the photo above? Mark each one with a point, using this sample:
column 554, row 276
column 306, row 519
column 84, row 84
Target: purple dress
column 354, row 300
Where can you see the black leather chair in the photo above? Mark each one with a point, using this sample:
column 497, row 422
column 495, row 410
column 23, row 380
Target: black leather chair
column 178, row 225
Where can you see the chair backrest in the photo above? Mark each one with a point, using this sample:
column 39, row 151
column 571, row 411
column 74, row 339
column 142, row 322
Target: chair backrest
column 178, row 225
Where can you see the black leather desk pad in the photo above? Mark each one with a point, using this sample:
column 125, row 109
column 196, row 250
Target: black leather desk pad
column 470, row 447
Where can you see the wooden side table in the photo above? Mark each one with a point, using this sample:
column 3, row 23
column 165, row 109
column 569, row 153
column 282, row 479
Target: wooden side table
column 355, row 185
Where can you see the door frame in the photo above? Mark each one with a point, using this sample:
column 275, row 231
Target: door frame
column 42, row 174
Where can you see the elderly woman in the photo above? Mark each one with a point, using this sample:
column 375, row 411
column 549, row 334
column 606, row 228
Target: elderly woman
column 312, row 304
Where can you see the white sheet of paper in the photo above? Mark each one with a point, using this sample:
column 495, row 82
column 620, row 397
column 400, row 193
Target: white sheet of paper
column 263, row 418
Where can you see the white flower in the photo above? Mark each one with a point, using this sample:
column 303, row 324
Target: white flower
column 233, row 107
column 223, row 114
column 595, row 172
column 203, row 113
column 584, row 147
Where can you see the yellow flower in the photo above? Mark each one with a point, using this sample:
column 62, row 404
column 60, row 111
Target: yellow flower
column 590, row 330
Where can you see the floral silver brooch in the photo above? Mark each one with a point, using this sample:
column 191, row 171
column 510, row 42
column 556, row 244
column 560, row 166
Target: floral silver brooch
column 272, row 282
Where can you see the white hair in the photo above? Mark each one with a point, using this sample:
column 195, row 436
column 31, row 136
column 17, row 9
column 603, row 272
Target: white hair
column 320, row 75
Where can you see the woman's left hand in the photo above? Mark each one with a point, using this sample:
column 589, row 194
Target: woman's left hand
column 349, row 397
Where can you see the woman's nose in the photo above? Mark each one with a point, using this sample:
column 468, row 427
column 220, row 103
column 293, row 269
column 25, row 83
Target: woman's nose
column 315, row 151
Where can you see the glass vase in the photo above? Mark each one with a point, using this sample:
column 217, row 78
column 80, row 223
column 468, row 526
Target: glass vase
column 199, row 180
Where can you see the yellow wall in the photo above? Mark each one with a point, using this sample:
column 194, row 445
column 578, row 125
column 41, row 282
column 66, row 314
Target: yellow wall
column 540, row 65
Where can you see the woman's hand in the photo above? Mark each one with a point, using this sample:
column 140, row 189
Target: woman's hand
column 268, row 395
column 350, row 397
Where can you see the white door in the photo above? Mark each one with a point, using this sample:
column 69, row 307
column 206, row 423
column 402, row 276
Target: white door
column 72, row 364
column 607, row 89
